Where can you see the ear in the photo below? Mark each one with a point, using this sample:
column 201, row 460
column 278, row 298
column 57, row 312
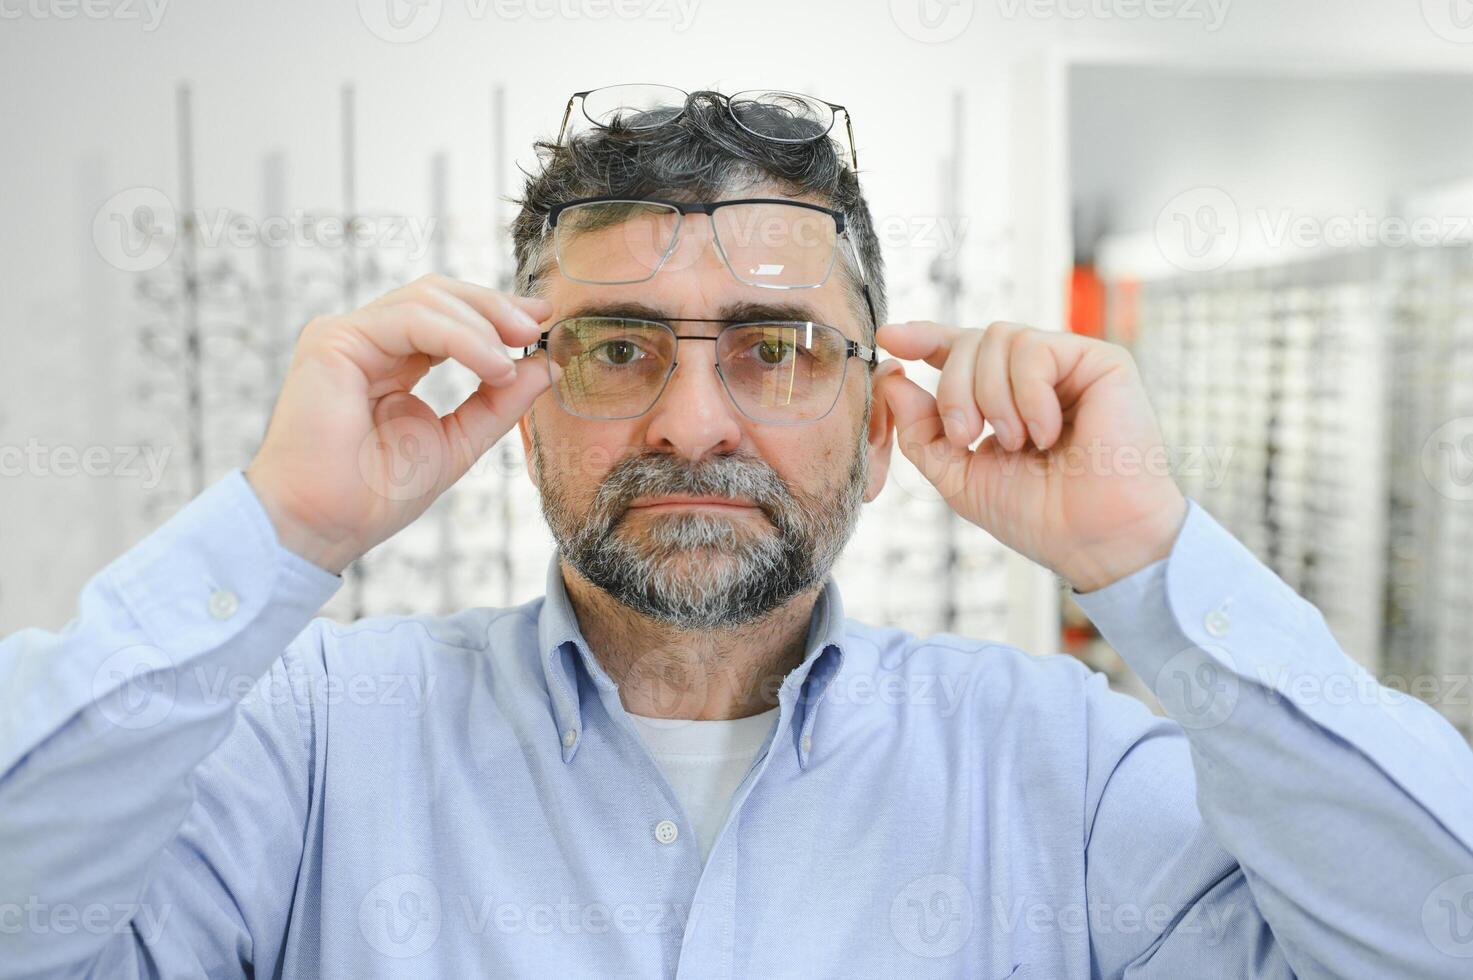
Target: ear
column 524, row 426
column 880, row 439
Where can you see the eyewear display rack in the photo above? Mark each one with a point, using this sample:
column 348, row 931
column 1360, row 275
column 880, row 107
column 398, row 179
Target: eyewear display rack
column 1336, row 396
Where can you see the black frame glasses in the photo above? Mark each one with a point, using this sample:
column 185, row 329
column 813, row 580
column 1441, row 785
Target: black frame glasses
column 852, row 348
column 652, row 98
column 709, row 209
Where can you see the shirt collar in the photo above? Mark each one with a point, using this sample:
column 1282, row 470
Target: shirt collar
column 562, row 649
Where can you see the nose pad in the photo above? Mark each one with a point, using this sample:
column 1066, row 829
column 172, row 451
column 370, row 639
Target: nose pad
column 723, row 393
column 695, row 245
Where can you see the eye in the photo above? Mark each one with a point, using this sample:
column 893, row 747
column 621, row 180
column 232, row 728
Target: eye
column 617, row 352
column 772, row 351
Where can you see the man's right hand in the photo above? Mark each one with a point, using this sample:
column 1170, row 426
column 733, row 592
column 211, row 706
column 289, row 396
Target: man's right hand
column 350, row 456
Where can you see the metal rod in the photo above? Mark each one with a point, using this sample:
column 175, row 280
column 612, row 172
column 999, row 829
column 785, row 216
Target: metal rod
column 189, row 270
column 440, row 257
column 505, row 281
column 357, row 572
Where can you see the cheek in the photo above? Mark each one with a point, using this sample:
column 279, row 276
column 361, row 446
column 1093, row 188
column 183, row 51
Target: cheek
column 807, row 457
column 579, row 454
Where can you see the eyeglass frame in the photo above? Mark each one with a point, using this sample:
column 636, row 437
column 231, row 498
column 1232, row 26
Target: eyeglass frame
column 852, row 348
column 709, row 209
column 834, row 107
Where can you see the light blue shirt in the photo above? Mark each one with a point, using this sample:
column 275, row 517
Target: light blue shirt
column 198, row 778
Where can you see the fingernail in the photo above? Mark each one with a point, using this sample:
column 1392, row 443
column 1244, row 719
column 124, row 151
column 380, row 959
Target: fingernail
column 1004, row 433
column 524, row 319
column 956, row 429
column 1033, row 428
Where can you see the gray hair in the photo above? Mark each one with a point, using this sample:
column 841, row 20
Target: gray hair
column 701, row 154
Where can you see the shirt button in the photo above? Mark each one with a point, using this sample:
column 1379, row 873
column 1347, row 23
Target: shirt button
column 1217, row 623
column 666, row 832
column 806, row 743
column 569, row 737
column 223, row 603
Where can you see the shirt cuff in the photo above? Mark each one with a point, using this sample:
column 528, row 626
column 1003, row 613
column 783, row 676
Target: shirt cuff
column 1227, row 646
column 215, row 568
column 1209, row 592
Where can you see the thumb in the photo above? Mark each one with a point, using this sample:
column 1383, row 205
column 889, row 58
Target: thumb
column 921, row 438
column 489, row 412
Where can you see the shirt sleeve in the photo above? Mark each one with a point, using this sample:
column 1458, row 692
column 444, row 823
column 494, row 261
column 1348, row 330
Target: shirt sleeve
column 121, row 860
column 1339, row 831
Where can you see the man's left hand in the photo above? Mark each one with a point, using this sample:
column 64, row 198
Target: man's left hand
column 1074, row 476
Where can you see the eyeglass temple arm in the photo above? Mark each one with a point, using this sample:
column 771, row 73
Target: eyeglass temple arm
column 568, row 112
column 848, row 125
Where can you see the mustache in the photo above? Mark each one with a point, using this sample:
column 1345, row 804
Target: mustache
column 657, row 474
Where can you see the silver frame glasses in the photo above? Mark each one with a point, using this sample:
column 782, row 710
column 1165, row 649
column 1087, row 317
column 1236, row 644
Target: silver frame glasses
column 709, row 209
column 852, row 348
column 648, row 97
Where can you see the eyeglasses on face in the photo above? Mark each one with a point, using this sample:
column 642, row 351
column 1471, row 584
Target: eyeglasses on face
column 778, row 372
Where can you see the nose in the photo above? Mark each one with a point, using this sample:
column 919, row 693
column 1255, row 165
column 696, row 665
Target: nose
column 693, row 417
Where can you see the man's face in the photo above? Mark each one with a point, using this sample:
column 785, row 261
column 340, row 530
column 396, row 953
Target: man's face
column 611, row 488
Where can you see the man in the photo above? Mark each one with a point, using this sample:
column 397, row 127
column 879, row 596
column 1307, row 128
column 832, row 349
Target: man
column 685, row 760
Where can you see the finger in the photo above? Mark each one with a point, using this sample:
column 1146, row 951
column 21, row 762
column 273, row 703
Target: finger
column 411, row 328
column 1036, row 368
column 488, row 413
column 456, row 308
column 453, row 306
column 994, row 389
column 956, row 392
column 919, row 340
column 516, row 318
column 920, row 436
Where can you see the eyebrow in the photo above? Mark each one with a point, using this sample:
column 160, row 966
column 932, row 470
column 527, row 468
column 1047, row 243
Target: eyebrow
column 743, row 312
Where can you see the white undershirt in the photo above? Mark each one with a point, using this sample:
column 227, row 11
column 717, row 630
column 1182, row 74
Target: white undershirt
column 704, row 762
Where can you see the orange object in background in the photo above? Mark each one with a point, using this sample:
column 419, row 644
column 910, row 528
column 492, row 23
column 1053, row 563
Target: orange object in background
column 1086, row 302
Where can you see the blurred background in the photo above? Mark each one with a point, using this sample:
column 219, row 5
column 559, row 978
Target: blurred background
column 1271, row 203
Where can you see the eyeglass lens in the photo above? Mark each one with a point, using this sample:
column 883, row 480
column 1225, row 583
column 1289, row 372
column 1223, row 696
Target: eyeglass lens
column 616, row 367
column 763, row 244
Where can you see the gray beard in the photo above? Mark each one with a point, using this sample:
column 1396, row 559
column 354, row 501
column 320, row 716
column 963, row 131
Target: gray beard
column 700, row 571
